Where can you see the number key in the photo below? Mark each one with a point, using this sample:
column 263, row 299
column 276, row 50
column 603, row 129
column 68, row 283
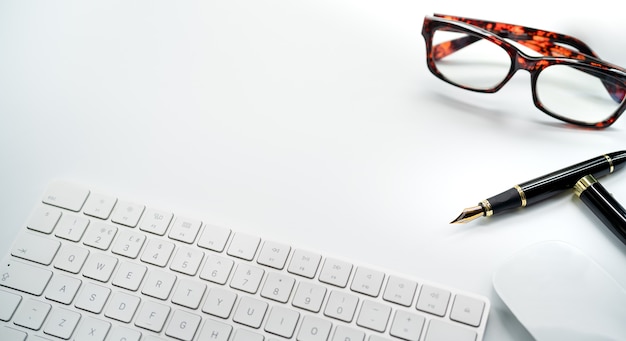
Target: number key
column 71, row 227
column 278, row 287
column 187, row 260
column 128, row 244
column 216, row 269
column 100, row 235
column 247, row 278
column 157, row 252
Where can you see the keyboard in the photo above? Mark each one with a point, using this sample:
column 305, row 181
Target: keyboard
column 90, row 266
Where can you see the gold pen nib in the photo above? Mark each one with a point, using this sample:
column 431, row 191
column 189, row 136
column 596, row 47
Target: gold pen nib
column 469, row 214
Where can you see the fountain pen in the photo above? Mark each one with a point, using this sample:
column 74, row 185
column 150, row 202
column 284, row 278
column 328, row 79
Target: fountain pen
column 543, row 187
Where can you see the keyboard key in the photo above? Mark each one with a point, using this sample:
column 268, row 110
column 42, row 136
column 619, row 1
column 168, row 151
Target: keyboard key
column 123, row 334
column 92, row 298
column 10, row 334
column 122, row 307
column 467, row 310
column 374, row 316
column 99, row 205
column 185, row 230
column 128, row 243
column 92, row 329
column 31, row 314
column 217, row 269
column 71, row 258
column 278, row 287
column 400, row 291
column 309, row 296
column 367, row 281
column 433, row 300
column 219, row 302
column 66, row 195
column 71, row 227
column 444, row 331
column 44, row 219
column 314, row 329
column 243, row 246
column 188, row 293
column 152, row 316
column 24, row 277
column 187, row 260
column 157, row 252
column 99, row 267
column 215, row 331
column 377, row 338
column 407, row 326
column 245, row 335
column 10, row 301
column 214, row 238
column 129, row 276
column 127, row 213
column 62, row 288
column 159, row 284
column 346, row 333
column 335, row 272
column 247, row 278
column 183, row 325
column 274, row 255
column 282, row 321
column 250, row 312
column 61, row 323
column 35, row 248
column 341, row 306
column 304, row 263
column 151, row 338
column 155, row 221
column 99, row 235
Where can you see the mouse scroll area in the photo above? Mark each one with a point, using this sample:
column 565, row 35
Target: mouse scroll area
column 559, row 293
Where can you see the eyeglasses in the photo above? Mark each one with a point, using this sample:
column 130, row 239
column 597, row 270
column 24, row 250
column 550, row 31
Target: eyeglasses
column 568, row 80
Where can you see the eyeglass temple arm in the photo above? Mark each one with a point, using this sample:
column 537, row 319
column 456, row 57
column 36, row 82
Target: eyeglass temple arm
column 522, row 33
column 546, row 48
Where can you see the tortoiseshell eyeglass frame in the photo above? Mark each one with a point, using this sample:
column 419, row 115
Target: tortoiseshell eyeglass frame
column 550, row 45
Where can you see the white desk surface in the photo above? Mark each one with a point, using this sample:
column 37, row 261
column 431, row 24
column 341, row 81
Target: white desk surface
column 306, row 121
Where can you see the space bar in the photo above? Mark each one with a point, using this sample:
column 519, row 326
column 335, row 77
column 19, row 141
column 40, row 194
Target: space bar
column 24, row 277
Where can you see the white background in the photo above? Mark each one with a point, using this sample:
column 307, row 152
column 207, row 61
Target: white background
column 312, row 122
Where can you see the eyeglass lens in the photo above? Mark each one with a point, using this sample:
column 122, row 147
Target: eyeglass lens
column 571, row 92
column 481, row 65
column 577, row 94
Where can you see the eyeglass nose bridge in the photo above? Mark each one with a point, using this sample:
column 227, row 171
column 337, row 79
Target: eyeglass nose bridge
column 530, row 64
column 534, row 66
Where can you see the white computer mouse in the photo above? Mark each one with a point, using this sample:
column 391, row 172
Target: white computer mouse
column 559, row 293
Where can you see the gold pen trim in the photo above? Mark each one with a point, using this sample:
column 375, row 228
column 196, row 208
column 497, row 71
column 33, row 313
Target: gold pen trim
column 611, row 166
column 522, row 195
column 487, row 206
column 583, row 184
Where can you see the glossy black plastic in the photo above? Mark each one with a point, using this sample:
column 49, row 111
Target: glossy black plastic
column 551, row 184
column 606, row 208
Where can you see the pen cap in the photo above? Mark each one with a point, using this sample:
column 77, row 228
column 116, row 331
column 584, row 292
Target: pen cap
column 603, row 205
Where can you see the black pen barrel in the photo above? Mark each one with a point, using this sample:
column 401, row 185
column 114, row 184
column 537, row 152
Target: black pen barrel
column 603, row 205
column 548, row 185
column 556, row 182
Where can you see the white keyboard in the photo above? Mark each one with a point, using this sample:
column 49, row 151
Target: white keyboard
column 89, row 266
